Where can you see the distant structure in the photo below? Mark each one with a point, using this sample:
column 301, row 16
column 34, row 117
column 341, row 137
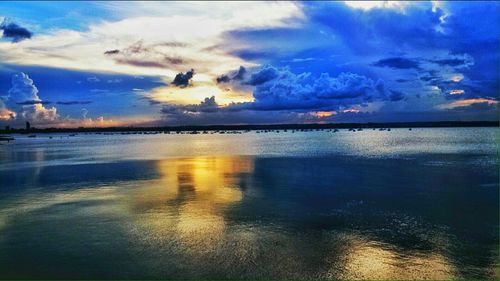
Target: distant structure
column 28, row 125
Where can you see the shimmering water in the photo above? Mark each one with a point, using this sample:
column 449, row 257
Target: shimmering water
column 420, row 204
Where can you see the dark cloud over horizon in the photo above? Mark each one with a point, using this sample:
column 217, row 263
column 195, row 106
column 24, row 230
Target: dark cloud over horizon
column 14, row 31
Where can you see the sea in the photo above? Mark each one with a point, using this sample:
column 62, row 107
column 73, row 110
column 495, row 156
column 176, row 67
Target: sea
column 318, row 204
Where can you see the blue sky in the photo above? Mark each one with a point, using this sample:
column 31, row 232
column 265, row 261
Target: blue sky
column 168, row 63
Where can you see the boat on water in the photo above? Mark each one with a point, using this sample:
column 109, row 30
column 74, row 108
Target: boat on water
column 31, row 136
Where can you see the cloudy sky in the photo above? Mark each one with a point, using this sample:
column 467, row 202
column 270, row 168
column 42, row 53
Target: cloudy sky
column 72, row 64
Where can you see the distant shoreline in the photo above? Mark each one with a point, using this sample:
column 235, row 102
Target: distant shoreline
column 441, row 124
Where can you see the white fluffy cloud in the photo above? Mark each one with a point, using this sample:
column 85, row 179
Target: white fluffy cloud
column 38, row 113
column 23, row 96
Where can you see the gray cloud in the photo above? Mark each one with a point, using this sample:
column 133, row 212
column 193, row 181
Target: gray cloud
column 183, row 79
column 208, row 105
column 235, row 75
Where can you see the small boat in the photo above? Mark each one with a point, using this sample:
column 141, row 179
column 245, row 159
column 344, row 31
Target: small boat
column 32, row 136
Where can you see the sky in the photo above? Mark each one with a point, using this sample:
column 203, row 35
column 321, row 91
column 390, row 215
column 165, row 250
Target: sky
column 99, row 64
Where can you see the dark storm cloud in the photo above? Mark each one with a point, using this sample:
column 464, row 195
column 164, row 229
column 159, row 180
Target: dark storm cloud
column 398, row 62
column 182, row 79
column 14, row 32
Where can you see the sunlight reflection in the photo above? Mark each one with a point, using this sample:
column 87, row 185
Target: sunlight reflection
column 375, row 260
column 201, row 188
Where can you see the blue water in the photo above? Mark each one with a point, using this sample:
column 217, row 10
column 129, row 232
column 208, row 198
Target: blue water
column 420, row 204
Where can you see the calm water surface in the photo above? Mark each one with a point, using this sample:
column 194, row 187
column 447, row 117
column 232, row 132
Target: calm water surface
column 420, row 204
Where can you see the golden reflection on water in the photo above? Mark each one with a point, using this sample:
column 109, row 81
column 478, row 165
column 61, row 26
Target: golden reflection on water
column 189, row 198
column 374, row 260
